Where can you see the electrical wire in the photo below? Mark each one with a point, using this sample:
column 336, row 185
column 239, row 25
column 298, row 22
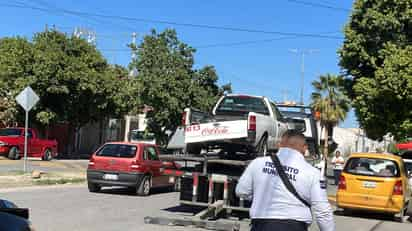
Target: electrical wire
column 319, row 5
column 203, row 26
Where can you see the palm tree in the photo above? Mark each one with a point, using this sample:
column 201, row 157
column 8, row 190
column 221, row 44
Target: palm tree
column 329, row 99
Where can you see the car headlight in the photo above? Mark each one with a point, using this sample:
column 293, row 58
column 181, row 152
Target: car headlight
column 3, row 143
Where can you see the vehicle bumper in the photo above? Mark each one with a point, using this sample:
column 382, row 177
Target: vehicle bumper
column 242, row 142
column 394, row 205
column 124, row 179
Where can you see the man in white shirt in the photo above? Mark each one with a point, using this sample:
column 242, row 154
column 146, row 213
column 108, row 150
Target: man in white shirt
column 337, row 162
column 274, row 207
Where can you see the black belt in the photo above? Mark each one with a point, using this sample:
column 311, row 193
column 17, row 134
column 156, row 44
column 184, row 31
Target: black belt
column 304, row 225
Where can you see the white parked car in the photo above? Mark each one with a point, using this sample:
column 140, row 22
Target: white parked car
column 142, row 137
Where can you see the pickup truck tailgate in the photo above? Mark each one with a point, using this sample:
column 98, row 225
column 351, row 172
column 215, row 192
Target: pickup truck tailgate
column 216, row 131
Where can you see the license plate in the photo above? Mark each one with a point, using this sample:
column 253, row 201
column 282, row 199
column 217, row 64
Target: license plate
column 172, row 180
column 369, row 184
column 110, row 177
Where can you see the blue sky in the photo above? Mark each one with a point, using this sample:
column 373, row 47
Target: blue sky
column 266, row 66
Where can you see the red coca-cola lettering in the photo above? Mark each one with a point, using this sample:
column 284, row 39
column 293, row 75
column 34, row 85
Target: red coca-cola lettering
column 193, row 128
column 214, row 131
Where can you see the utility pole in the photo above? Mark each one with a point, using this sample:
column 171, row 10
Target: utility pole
column 302, row 80
column 133, row 73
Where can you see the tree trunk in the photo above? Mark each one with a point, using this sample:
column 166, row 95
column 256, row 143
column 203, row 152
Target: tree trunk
column 326, row 143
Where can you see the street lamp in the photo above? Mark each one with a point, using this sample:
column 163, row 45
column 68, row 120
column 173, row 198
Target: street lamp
column 303, row 52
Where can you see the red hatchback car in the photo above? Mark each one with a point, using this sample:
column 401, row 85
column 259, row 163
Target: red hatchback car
column 133, row 165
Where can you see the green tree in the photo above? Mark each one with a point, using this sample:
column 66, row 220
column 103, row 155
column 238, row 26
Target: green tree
column 16, row 62
column 73, row 80
column 169, row 83
column 376, row 55
column 329, row 99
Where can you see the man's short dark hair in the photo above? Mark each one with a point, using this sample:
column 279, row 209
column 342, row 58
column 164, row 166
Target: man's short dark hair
column 293, row 133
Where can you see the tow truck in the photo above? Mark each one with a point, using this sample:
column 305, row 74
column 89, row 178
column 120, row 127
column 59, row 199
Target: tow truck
column 208, row 179
column 208, row 182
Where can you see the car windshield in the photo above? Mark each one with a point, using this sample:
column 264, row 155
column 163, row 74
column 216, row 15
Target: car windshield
column 117, row 150
column 372, row 167
column 10, row 132
column 408, row 166
column 242, row 104
column 7, row 204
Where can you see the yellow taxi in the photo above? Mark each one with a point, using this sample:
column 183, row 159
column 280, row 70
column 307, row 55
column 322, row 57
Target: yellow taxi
column 376, row 182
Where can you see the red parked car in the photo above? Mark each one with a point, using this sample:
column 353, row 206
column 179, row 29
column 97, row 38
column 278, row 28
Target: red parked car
column 12, row 144
column 133, row 165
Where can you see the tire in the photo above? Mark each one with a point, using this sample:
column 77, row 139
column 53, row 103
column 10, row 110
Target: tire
column 93, row 187
column 193, row 149
column 409, row 209
column 143, row 189
column 402, row 215
column 47, row 155
column 177, row 185
column 262, row 149
column 14, row 153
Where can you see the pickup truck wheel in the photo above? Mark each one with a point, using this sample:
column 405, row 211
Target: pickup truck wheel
column 14, row 153
column 193, row 149
column 143, row 189
column 262, row 148
column 47, row 155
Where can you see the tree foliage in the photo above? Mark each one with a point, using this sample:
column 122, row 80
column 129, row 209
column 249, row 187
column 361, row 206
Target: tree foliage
column 73, row 80
column 329, row 99
column 169, row 83
column 377, row 58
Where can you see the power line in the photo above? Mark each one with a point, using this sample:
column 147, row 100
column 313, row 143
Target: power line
column 245, row 42
column 319, row 5
column 50, row 8
column 203, row 26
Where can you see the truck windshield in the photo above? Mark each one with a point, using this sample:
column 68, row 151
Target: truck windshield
column 242, row 104
column 10, row 132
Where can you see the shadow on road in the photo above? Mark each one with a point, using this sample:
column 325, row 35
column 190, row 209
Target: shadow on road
column 131, row 192
column 369, row 215
column 184, row 209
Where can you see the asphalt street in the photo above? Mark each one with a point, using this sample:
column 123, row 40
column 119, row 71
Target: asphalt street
column 72, row 207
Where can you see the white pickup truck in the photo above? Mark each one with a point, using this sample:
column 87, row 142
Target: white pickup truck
column 237, row 123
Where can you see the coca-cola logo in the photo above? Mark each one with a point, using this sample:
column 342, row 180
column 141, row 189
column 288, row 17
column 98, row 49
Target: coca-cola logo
column 193, row 128
column 214, row 131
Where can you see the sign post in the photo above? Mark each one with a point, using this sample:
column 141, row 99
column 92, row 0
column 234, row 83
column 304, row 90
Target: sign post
column 27, row 99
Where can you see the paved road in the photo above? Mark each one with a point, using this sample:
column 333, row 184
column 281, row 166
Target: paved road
column 74, row 208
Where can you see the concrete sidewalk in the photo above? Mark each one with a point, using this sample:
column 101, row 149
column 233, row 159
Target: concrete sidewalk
column 7, row 165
